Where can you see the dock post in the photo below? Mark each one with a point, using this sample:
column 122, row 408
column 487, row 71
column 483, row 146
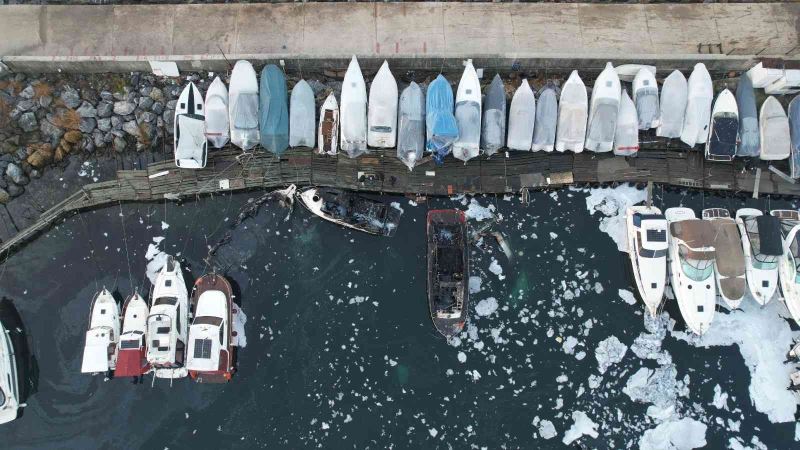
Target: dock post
column 649, row 194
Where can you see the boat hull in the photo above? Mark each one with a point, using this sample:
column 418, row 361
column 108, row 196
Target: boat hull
column 226, row 364
column 650, row 280
column 448, row 270
column 352, row 210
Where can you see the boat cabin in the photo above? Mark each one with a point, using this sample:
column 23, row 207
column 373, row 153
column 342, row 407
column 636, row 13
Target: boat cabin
column 651, row 239
column 764, row 235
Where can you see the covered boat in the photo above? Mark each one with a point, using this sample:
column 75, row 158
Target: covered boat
column 353, row 112
column 729, row 264
column 440, row 123
column 698, row 107
column 521, row 118
column 723, row 134
column 493, row 131
column 210, row 356
column 647, row 250
column 603, row 111
column 132, row 355
column 328, row 134
column 774, row 131
column 544, row 128
column 360, row 212
column 14, row 357
column 243, row 107
column 168, row 323
column 191, row 145
column 102, row 336
column 749, row 137
column 794, row 134
column 302, row 116
column 761, row 242
column 626, row 138
column 411, row 126
column 672, row 108
column 572, row 115
column 645, row 96
column 789, row 263
column 382, row 113
column 468, row 115
column 274, row 109
column 217, row 118
column 448, row 270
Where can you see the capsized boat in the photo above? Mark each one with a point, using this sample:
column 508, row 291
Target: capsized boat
column 749, row 137
column 572, row 115
column 729, row 264
column 521, row 118
column 761, row 242
column 493, row 131
column 302, row 116
column 645, row 96
column 544, row 128
column 353, row 210
column 698, row 107
column 774, row 131
column 217, row 118
column 382, row 113
column 468, row 115
column 328, row 134
column 603, row 111
column 723, row 134
column 102, row 336
column 440, row 123
column 626, row 137
column 672, row 108
column 647, row 250
column 274, row 110
column 243, row 106
column 191, row 145
column 132, row 355
column 794, row 134
column 210, row 357
column 448, row 270
column 691, row 264
column 789, row 263
column 411, row 126
column 353, row 112
column 168, row 323
column 13, row 362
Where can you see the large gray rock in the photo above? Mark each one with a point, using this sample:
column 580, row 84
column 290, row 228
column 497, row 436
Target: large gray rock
column 132, row 128
column 172, row 104
column 148, row 117
column 28, row 92
column 157, row 94
column 52, row 132
column 124, row 108
column 15, row 174
column 97, row 136
column 116, row 122
column 87, row 110
column 28, row 122
column 87, row 125
column 25, row 105
column 145, row 103
column 104, row 109
column 70, row 97
column 157, row 108
column 104, row 124
column 45, row 101
column 107, row 96
column 119, row 144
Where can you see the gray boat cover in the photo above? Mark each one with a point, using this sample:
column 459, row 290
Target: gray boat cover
column 544, row 130
column 493, row 131
column 411, row 128
column 302, row 116
column 602, row 123
column 769, row 236
column 794, row 132
column 626, row 136
column 674, row 94
column 749, row 140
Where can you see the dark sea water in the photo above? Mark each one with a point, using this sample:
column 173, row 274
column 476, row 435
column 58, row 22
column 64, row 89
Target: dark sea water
column 340, row 349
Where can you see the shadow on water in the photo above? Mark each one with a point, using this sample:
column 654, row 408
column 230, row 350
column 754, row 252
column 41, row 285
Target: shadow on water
column 27, row 366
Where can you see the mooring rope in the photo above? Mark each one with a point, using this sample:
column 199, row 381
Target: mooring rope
column 91, row 251
column 125, row 240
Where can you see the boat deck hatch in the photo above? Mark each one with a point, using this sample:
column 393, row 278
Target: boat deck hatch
column 162, row 330
column 764, row 283
column 700, row 308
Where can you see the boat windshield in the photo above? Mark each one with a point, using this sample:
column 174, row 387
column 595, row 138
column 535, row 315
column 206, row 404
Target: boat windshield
column 761, row 260
column 169, row 301
column 129, row 344
column 645, row 253
column 2, row 397
column 697, row 265
column 208, row 320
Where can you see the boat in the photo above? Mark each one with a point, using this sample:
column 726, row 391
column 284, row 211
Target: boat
column 645, row 96
column 672, row 108
column 132, row 354
column 217, row 119
column 729, row 263
column 243, row 106
column 573, row 113
column 191, row 145
column 448, row 270
column 749, row 137
column 102, row 335
column 14, row 370
column 761, row 241
column 468, row 115
column 302, row 116
column 698, row 107
column 774, row 131
column 328, row 134
column 763, row 76
column 787, row 84
column 440, row 123
column 647, row 250
column 411, row 126
column 210, row 356
column 603, row 111
column 628, row 72
column 382, row 112
column 274, row 110
column 794, row 135
column 353, row 112
column 521, row 118
column 626, row 137
column 168, row 323
column 723, row 134
column 493, row 130
column 354, row 210
column 544, row 128
column 789, row 263
column 691, row 264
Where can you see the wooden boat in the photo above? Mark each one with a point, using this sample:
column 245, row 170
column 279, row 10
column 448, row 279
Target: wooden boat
column 243, row 106
column 448, row 270
column 521, row 118
column 211, row 356
column 698, row 107
column 360, row 212
column 14, row 367
column 672, row 107
column 493, row 129
column 603, row 111
column 774, row 128
column 353, row 111
column 749, row 136
column 468, row 115
column 102, row 335
column 382, row 112
column 626, row 137
column 217, row 118
column 302, row 119
column 328, row 134
column 645, row 96
column 132, row 354
column 191, row 145
column 167, row 323
column 411, row 126
column 723, row 134
column 544, row 129
column 274, row 110
column 572, row 115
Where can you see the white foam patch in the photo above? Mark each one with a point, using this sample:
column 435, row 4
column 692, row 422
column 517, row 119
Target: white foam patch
column 474, row 284
column 582, row 426
column 486, row 306
column 477, row 212
column 682, row 434
column 612, row 204
column 239, row 319
column 547, row 430
column 609, row 352
column 156, row 259
column 496, row 269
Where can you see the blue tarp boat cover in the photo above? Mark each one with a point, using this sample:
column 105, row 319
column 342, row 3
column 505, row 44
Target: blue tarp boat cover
column 274, row 106
column 749, row 139
column 440, row 122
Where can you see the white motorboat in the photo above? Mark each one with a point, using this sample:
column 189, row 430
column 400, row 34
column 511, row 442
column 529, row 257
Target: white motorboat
column 626, row 137
column 468, row 115
column 698, row 107
column 132, row 354
column 789, row 263
column 191, row 145
column 691, row 266
column 353, row 111
column 302, row 116
column 217, row 118
column 102, row 336
column 647, row 250
column 761, row 242
column 210, row 357
column 603, row 111
column 13, row 367
column 168, row 323
column 243, row 106
column 729, row 263
column 645, row 96
column 521, row 118
column 382, row 113
column 723, row 134
column 774, row 130
column 328, row 134
column 672, row 108
column 572, row 115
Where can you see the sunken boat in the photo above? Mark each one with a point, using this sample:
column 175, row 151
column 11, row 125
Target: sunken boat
column 448, row 270
column 353, row 210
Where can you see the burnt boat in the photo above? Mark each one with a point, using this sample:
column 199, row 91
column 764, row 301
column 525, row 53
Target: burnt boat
column 353, row 210
column 448, row 270
column 211, row 357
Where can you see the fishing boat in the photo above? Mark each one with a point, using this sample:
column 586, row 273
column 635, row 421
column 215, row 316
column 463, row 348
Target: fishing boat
column 382, row 112
column 521, row 118
column 328, row 134
column 672, row 108
column 645, row 96
column 544, row 128
column 794, row 135
column 493, row 130
column 411, row 126
column 353, row 210
column 191, row 145
column 13, row 362
column 626, row 137
column 243, row 107
column 572, row 115
column 789, row 263
column 698, row 107
column 274, row 110
column 729, row 263
column 761, row 242
column 302, row 118
column 448, row 270
column 691, row 265
column 774, row 131
column 603, row 111
column 217, row 119
column 468, row 115
column 440, row 123
column 102, row 335
column 723, row 134
column 210, row 357
column 168, row 323
column 749, row 137
column 132, row 354
column 647, row 250
column 353, row 112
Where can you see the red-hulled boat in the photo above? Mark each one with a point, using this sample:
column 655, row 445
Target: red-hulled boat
column 132, row 349
column 211, row 357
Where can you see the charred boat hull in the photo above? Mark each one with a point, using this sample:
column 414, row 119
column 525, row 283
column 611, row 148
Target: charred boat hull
column 352, row 210
column 448, row 270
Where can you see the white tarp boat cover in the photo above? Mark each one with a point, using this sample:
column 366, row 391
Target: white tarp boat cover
column 468, row 115
column 674, row 93
column 645, row 96
column 353, row 112
column 774, row 130
column 493, row 132
column 521, row 118
column 544, row 129
column 217, row 130
column 572, row 115
column 698, row 107
column 603, row 111
column 628, row 72
column 626, row 137
column 243, row 97
column 440, row 123
column 749, row 139
column 411, row 128
column 382, row 114
column 190, row 151
column 302, row 116
column 794, row 133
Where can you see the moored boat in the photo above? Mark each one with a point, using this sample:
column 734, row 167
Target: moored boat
column 645, row 96
column 352, row 210
column 493, row 129
column 468, row 115
column 190, row 143
column 411, row 126
column 626, row 137
column 217, row 118
column 353, row 111
column 603, row 111
column 243, row 106
column 794, row 135
column 698, row 107
column 647, row 250
column 749, row 137
column 210, row 356
column 521, row 118
column 382, row 112
column 572, row 115
column 132, row 354
column 102, row 335
column 440, row 123
column 789, row 263
column 168, row 323
column 328, row 134
column 274, row 110
column 302, row 118
column 448, row 270
column 13, row 362
column 729, row 263
column 723, row 133
column 544, row 128
column 672, row 108
column 761, row 242
column 774, row 130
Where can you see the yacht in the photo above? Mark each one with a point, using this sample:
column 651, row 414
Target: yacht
column 647, row 249
column 210, row 357
column 132, row 354
column 789, row 263
column 729, row 265
column 167, row 324
column 102, row 337
column 761, row 242
column 13, row 367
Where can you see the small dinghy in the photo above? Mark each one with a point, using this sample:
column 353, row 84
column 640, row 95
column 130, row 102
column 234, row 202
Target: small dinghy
column 544, row 129
column 328, row 134
column 729, row 264
column 302, row 118
column 521, row 118
column 645, row 96
column 672, row 108
column 274, row 109
column 723, row 134
column 761, row 242
column 774, row 129
column 789, row 263
column 448, row 270
column 353, row 112
column 132, row 355
column 353, row 210
column 440, row 123
column 102, row 336
column 572, row 115
column 647, row 250
column 698, row 107
column 468, row 115
column 411, row 126
column 628, row 72
column 210, row 356
column 493, row 130
column 168, row 323
column 14, row 366
column 626, row 137
column 603, row 111
column 191, row 145
column 243, row 107
column 382, row 112
column 749, row 136
column 794, row 134
column 217, row 128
